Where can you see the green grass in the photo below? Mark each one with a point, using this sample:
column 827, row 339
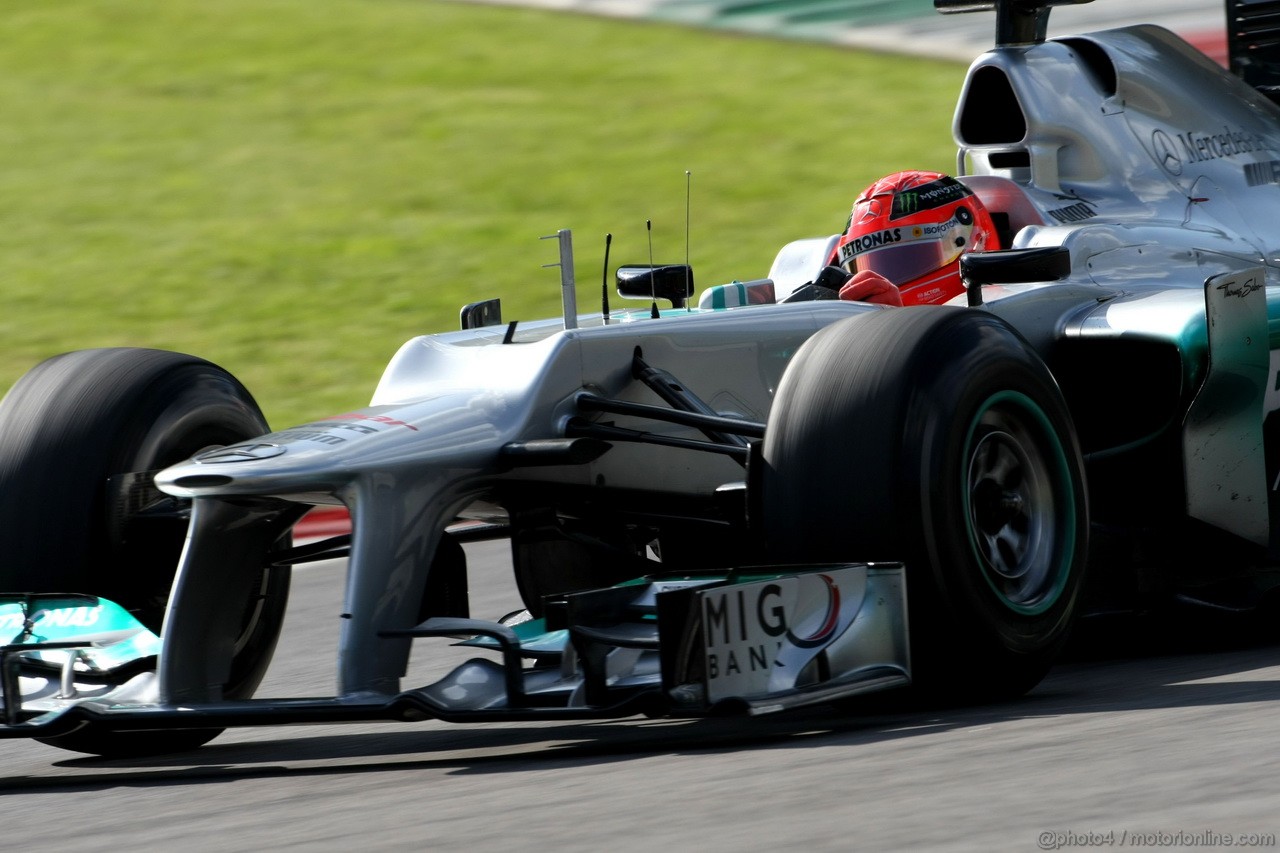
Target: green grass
column 292, row 188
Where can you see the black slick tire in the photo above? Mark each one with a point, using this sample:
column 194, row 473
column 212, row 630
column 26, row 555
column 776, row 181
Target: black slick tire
column 935, row 436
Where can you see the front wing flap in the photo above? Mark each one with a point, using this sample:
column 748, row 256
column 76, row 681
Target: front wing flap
column 62, row 648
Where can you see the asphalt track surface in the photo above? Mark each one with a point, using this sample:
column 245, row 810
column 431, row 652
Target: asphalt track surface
column 1153, row 744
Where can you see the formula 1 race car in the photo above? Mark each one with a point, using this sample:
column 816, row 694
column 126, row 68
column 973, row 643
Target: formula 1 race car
column 765, row 501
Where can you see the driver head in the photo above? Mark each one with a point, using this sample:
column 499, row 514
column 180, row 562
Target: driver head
column 912, row 227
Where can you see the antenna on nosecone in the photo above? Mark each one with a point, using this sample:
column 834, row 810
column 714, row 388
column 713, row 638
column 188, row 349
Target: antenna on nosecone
column 653, row 279
column 568, row 288
column 688, row 191
column 604, row 283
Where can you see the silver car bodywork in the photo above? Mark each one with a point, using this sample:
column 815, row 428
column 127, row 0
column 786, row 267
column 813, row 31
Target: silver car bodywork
column 432, row 445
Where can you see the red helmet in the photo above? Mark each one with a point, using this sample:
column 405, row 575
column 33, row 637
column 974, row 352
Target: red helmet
column 912, row 228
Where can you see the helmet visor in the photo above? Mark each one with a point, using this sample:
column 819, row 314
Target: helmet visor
column 904, row 262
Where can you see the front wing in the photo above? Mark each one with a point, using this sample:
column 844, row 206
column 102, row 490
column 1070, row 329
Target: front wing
column 750, row 641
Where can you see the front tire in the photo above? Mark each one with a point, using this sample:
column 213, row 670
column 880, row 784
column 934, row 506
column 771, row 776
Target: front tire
column 80, row 436
column 937, row 437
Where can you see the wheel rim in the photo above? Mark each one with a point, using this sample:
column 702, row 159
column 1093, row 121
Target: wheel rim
column 1019, row 503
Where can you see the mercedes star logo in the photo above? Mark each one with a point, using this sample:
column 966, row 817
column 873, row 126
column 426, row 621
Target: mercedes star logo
column 1165, row 152
column 240, row 453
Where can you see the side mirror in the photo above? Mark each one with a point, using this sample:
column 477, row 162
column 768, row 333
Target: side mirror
column 673, row 282
column 486, row 313
column 1013, row 266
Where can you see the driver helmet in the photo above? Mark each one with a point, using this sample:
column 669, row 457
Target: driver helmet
column 912, row 227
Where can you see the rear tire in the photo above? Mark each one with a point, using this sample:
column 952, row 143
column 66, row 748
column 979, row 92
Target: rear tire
column 937, row 437
column 79, row 435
